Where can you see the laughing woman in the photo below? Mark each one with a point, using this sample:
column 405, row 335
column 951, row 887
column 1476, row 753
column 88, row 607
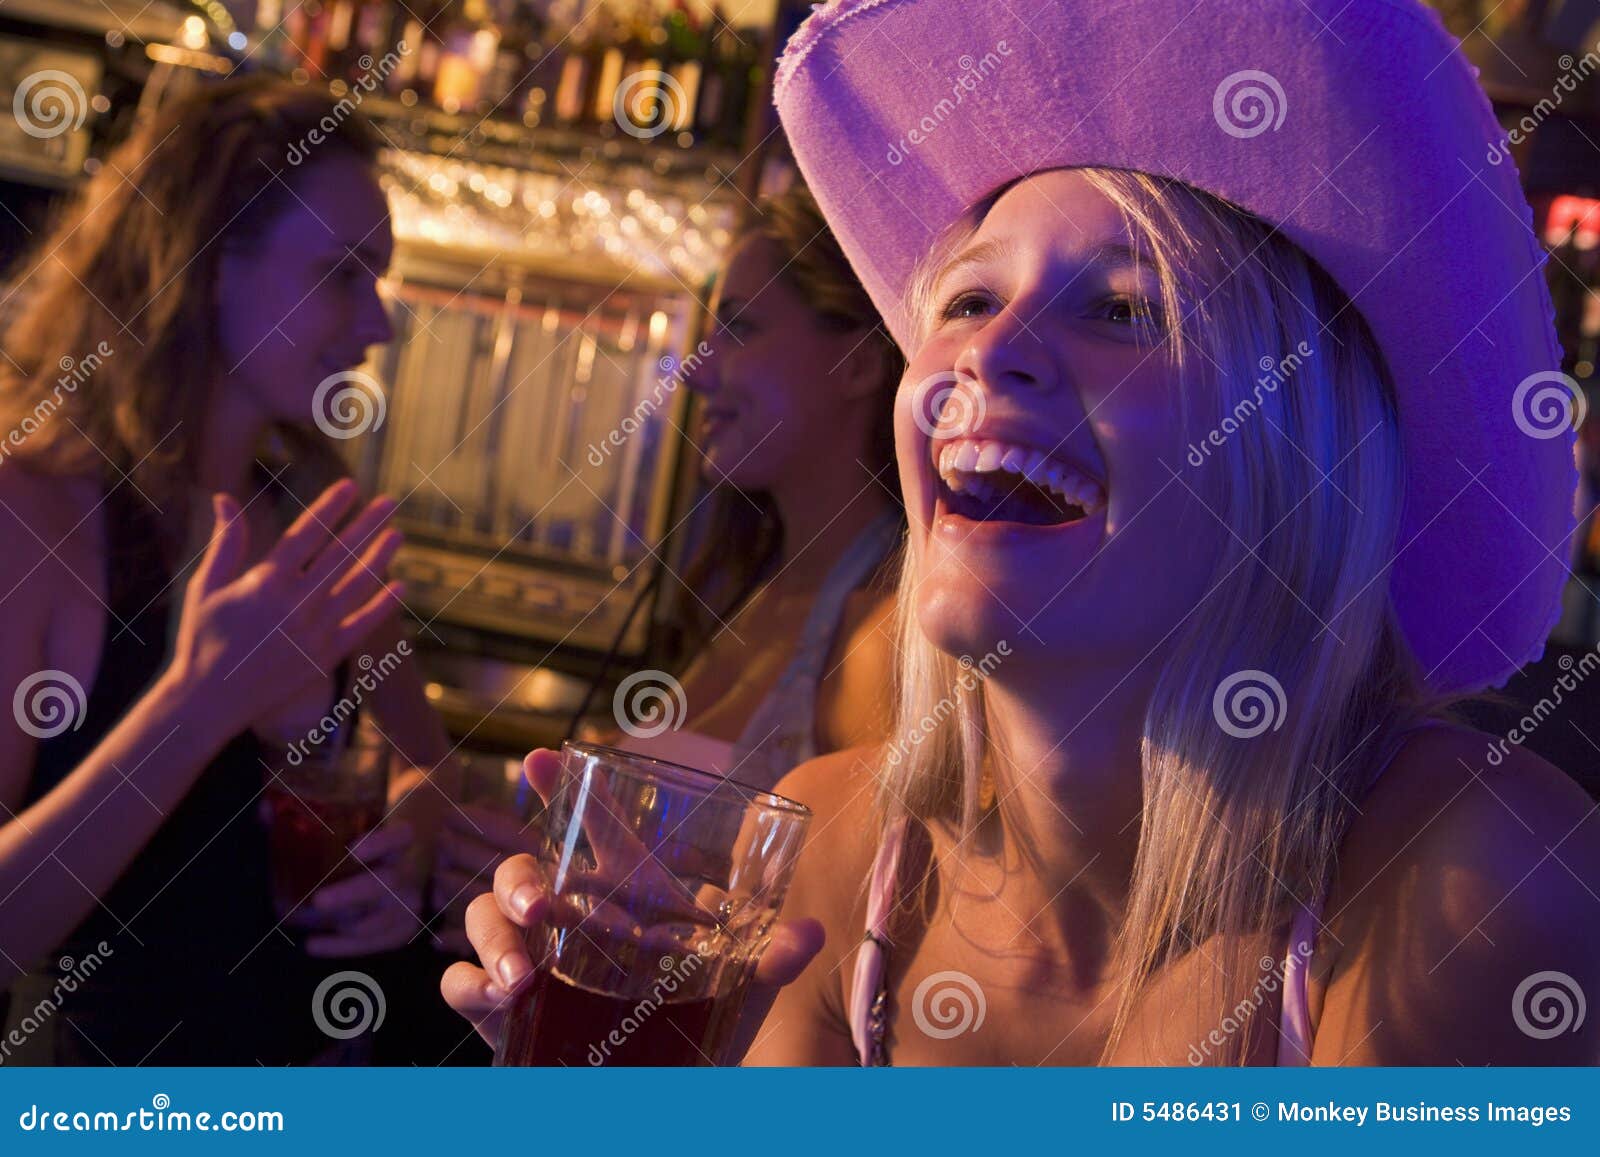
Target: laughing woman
column 1226, row 472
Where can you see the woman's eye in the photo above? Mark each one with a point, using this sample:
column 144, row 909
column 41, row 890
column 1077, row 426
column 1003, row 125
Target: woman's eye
column 1129, row 311
column 961, row 306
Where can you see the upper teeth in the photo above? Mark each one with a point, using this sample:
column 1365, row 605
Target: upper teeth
column 971, row 457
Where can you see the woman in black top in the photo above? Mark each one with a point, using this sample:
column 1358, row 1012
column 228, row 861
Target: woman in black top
column 157, row 406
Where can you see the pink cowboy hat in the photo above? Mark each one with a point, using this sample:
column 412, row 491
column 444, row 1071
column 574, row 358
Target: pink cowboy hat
column 1355, row 126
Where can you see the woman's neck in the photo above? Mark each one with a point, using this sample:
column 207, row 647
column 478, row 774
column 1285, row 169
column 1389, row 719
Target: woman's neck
column 1065, row 756
column 822, row 516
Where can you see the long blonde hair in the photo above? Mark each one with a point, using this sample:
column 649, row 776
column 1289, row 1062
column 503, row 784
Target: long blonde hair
column 1234, row 830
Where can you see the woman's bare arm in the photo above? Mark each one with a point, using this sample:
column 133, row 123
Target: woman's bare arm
column 60, row 855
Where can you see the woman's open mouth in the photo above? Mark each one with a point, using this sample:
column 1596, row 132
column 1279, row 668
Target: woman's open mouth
column 986, row 480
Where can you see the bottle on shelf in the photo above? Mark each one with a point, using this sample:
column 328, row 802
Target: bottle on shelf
column 609, row 40
column 686, row 48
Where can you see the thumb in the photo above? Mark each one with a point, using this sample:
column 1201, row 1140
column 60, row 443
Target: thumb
column 226, row 550
column 794, row 944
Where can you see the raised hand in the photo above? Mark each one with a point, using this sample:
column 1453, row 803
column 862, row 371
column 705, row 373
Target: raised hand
column 250, row 638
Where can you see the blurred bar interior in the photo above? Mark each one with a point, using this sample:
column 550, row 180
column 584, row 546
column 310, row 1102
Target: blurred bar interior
column 552, row 263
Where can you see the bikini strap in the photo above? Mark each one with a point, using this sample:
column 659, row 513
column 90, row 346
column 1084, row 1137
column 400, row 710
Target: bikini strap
column 869, row 993
column 1294, row 1020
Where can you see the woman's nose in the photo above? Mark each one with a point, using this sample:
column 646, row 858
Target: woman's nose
column 1006, row 351
column 374, row 325
column 698, row 371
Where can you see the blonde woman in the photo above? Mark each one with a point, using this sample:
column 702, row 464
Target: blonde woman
column 1229, row 462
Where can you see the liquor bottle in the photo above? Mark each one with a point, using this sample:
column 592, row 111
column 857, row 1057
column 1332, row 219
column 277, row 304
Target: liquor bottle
column 276, row 45
column 505, row 88
column 308, row 25
column 471, row 42
column 544, row 51
column 338, row 60
column 646, row 102
column 713, row 84
column 609, row 39
column 686, row 48
column 374, row 41
column 577, row 69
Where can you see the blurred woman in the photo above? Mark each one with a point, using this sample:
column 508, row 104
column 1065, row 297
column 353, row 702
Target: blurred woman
column 781, row 618
column 159, row 394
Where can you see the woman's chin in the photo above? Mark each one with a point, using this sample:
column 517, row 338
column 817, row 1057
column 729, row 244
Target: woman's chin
column 964, row 623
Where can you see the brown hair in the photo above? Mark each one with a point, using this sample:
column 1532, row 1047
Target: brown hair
column 744, row 534
column 126, row 283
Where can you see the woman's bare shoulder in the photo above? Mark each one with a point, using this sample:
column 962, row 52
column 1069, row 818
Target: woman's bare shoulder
column 43, row 517
column 840, row 788
column 830, row 882
column 1472, row 869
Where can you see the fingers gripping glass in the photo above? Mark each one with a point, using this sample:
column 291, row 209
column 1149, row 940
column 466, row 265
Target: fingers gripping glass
column 661, row 886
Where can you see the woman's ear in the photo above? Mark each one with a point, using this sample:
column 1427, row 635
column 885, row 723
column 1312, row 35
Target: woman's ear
column 860, row 372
